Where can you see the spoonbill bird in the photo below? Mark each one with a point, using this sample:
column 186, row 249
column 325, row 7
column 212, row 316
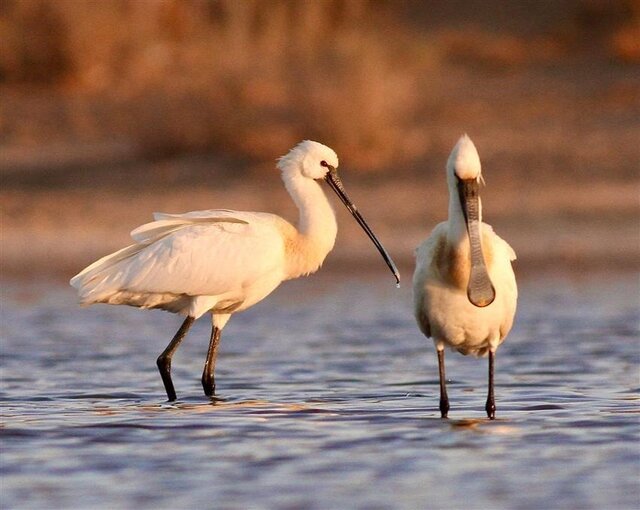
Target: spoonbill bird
column 464, row 289
column 223, row 261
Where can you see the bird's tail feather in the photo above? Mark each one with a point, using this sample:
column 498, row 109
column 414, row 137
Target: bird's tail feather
column 91, row 280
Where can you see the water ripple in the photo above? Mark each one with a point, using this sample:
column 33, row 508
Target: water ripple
column 329, row 402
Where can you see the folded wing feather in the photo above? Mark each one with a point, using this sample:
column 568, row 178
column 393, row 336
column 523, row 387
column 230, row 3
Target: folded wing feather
column 197, row 253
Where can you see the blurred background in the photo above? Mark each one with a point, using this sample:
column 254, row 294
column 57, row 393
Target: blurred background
column 112, row 109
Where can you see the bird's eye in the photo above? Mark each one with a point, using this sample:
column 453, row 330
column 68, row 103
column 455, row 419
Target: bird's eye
column 324, row 163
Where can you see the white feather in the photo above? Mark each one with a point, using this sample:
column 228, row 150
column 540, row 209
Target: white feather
column 441, row 305
column 219, row 260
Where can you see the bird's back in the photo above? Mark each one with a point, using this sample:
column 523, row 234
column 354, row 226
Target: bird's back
column 233, row 257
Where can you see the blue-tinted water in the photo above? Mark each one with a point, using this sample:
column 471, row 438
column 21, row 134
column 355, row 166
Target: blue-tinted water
column 329, row 400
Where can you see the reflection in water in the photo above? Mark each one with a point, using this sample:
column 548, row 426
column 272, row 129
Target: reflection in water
column 327, row 398
column 485, row 426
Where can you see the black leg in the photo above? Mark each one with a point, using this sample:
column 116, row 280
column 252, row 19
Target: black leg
column 208, row 379
column 444, row 399
column 164, row 360
column 491, row 403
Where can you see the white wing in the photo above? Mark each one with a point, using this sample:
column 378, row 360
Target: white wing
column 425, row 257
column 209, row 214
column 500, row 244
column 199, row 253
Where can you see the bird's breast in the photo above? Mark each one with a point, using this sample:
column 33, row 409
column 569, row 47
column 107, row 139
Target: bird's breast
column 452, row 260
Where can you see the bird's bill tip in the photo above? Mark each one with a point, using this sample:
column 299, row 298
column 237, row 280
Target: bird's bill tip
column 481, row 297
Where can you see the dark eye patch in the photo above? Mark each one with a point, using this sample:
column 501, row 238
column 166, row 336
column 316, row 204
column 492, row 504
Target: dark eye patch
column 324, row 163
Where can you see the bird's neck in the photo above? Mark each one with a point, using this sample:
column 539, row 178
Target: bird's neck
column 457, row 232
column 457, row 262
column 458, row 235
column 453, row 260
column 317, row 227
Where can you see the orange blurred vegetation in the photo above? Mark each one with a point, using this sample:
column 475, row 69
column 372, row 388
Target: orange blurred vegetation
column 110, row 109
column 155, row 78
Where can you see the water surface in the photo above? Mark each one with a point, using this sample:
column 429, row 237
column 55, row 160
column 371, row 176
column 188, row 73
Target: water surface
column 328, row 398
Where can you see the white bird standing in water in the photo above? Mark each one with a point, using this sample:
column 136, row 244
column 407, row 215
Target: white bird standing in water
column 464, row 289
column 223, row 261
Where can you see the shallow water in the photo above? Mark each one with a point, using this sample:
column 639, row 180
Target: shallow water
column 328, row 399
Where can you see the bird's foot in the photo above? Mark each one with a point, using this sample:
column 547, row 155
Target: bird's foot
column 444, row 408
column 164, row 366
column 491, row 410
column 209, row 386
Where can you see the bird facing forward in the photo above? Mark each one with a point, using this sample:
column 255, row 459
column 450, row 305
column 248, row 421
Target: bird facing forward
column 464, row 288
